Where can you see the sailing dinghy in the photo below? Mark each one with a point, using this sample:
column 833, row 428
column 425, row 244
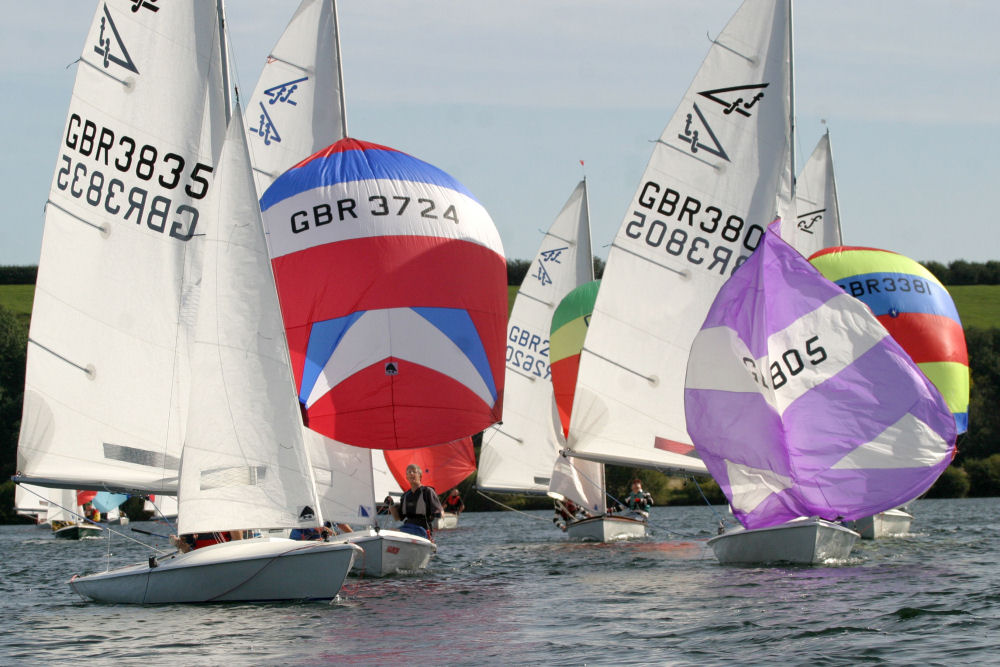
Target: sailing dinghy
column 807, row 412
column 711, row 184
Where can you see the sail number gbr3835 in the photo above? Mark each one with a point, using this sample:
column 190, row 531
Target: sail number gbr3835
column 683, row 226
column 99, row 162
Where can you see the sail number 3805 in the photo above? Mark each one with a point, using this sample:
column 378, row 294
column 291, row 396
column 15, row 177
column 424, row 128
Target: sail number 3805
column 790, row 363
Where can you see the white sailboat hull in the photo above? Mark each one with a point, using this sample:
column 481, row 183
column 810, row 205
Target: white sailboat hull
column 388, row 552
column 258, row 570
column 606, row 528
column 445, row 522
column 884, row 524
column 804, row 542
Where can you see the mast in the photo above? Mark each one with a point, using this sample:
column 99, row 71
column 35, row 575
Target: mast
column 340, row 70
column 791, row 105
column 224, row 50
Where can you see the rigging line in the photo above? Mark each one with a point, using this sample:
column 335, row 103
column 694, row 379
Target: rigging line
column 682, row 274
column 85, row 519
column 101, row 228
column 688, row 153
column 89, row 371
column 647, row 378
column 508, row 507
column 722, row 521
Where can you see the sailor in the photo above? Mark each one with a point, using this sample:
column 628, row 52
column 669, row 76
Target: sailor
column 638, row 500
column 453, row 502
column 419, row 505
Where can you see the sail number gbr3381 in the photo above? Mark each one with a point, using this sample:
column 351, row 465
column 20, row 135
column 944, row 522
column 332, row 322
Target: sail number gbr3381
column 685, row 227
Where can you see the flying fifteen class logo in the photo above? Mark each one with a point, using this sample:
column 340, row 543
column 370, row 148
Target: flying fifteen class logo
column 279, row 94
column 741, row 100
column 541, row 275
column 113, row 52
column 807, row 221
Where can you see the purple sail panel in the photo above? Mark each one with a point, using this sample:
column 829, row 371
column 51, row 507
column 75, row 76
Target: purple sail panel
column 801, row 404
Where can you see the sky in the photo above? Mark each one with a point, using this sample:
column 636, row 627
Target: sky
column 508, row 96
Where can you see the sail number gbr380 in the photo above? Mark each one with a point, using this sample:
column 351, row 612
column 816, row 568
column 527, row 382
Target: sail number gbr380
column 683, row 226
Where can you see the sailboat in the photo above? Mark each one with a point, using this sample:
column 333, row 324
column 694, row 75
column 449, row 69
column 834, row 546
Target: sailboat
column 817, row 211
column 523, row 454
column 916, row 309
column 443, row 467
column 580, row 481
column 133, row 379
column 710, row 186
column 32, row 502
column 807, row 412
column 66, row 517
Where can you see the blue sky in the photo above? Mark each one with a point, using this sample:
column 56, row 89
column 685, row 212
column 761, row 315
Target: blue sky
column 509, row 95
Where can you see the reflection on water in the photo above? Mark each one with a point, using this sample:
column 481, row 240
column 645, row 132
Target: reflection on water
column 508, row 589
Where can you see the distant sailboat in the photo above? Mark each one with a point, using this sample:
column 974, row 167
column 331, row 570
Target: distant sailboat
column 807, row 412
column 518, row 455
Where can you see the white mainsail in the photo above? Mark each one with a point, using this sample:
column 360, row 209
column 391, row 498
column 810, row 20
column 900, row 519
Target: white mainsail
column 30, row 500
column 343, row 479
column 244, row 463
column 709, row 190
column 817, row 213
column 298, row 106
column 105, row 389
column 518, row 454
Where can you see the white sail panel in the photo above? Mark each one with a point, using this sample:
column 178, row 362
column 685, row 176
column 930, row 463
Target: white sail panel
column 518, row 454
column 105, row 380
column 581, row 481
column 244, row 462
column 297, row 107
column 343, row 477
column 817, row 214
column 708, row 192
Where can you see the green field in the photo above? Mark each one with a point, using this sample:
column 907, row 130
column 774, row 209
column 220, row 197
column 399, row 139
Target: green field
column 978, row 305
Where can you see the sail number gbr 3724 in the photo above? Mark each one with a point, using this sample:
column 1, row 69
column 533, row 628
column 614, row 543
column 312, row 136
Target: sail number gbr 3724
column 685, row 227
column 115, row 154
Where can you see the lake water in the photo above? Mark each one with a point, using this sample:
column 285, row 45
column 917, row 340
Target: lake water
column 508, row 588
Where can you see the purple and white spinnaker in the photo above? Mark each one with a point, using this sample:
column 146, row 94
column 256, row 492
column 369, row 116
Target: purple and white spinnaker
column 801, row 404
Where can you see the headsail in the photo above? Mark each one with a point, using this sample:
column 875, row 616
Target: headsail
column 802, row 404
column 298, row 105
column 518, row 455
column 817, row 212
column 915, row 308
column 393, row 286
column 244, row 463
column 710, row 187
column 105, row 390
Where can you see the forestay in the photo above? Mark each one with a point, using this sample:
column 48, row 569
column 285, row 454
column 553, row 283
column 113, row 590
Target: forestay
column 915, row 308
column 709, row 188
column 802, row 404
column 817, row 213
column 105, row 390
column 244, row 463
column 518, row 455
column 392, row 283
column 298, row 105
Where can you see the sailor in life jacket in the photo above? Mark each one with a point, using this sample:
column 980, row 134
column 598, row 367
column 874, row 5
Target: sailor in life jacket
column 420, row 504
column 453, row 503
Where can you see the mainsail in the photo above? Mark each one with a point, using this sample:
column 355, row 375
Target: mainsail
column 244, row 463
column 106, row 379
column 710, row 187
column 915, row 308
column 392, row 284
column 517, row 455
column 817, row 213
column 298, row 105
column 802, row 404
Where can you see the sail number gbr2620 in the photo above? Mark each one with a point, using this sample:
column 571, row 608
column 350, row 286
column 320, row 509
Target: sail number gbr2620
column 702, row 234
